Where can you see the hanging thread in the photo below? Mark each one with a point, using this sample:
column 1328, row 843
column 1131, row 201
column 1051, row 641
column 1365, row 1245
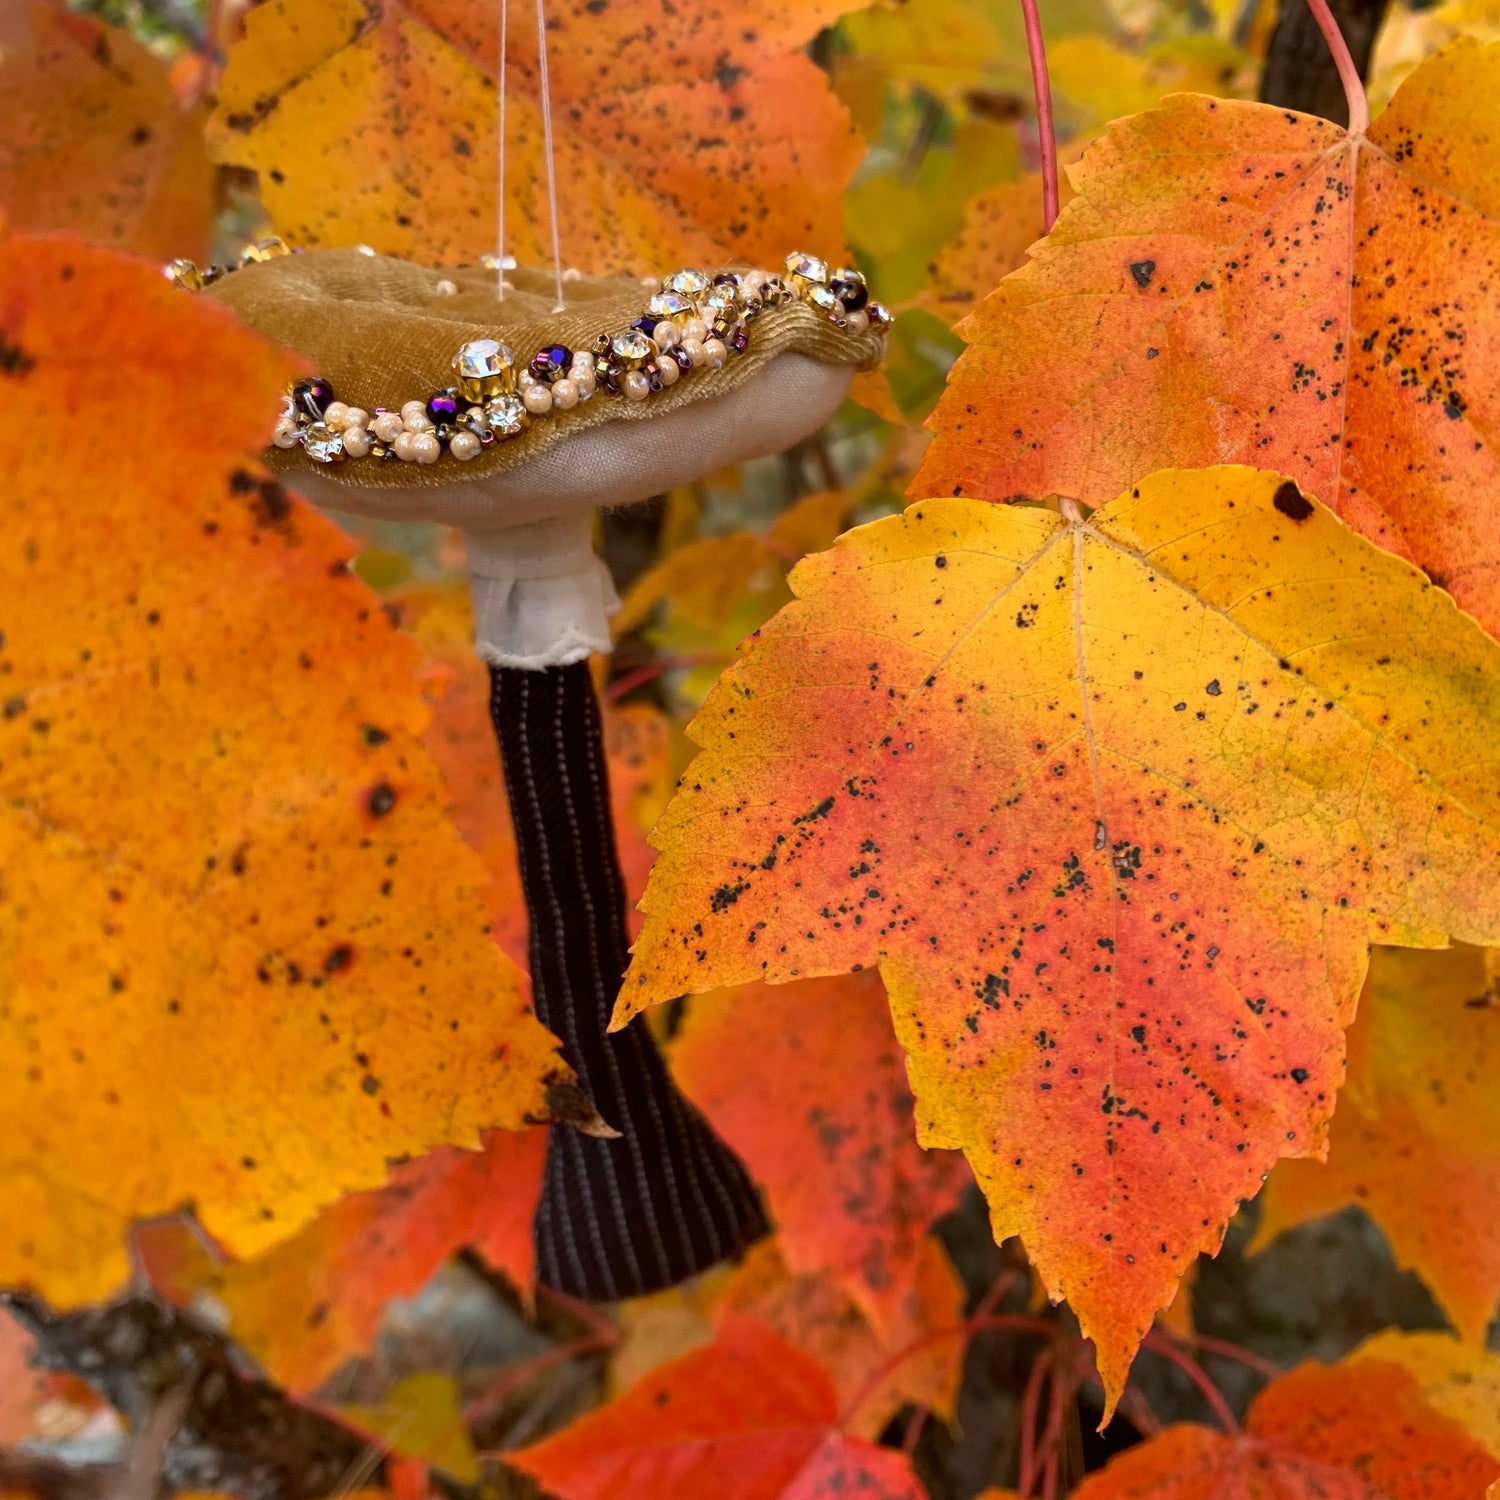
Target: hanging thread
column 541, row 52
column 546, row 93
column 500, row 211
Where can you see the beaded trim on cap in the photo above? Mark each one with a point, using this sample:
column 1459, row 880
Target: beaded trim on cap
column 696, row 321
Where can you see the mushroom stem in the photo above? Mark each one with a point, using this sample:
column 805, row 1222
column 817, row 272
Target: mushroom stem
column 667, row 1198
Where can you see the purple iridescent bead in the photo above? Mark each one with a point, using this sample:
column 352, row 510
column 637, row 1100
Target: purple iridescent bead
column 739, row 338
column 552, row 363
column 443, row 408
column 680, row 358
column 312, row 396
column 849, row 287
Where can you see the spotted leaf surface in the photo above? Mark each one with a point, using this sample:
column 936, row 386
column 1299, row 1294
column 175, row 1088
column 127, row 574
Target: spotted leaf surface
column 244, row 962
column 1115, row 806
column 751, row 1417
column 682, row 133
column 1416, row 1141
column 1240, row 284
column 96, row 140
column 1360, row 1431
column 828, row 1131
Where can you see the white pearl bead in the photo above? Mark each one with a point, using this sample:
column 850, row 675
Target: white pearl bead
column 666, row 333
column 694, row 328
column 857, row 321
column 582, row 357
column 635, row 385
column 285, row 435
column 354, row 416
column 414, row 415
column 752, row 281
column 693, row 348
column 565, row 395
column 425, row 448
column 445, row 289
column 667, row 371
column 464, row 445
column 538, row 399
column 586, row 381
column 356, row 442
column 388, row 427
column 525, row 379
column 714, row 354
column 403, row 446
column 336, row 414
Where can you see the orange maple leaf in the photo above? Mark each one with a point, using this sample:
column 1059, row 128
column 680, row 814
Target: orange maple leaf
column 1359, row 1431
column 692, row 134
column 751, row 1417
column 1416, row 1140
column 1240, row 284
column 1116, row 805
column 243, row 957
column 306, row 1305
column 96, row 142
column 827, row 1131
column 876, row 1370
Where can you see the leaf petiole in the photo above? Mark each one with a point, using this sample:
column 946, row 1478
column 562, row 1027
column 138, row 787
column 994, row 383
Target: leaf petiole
column 1041, row 86
column 1354, row 85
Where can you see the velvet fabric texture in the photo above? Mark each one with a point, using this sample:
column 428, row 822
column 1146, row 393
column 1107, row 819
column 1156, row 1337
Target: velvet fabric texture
column 381, row 333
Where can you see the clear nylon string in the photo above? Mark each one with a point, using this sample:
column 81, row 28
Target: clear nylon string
column 500, row 211
column 541, row 52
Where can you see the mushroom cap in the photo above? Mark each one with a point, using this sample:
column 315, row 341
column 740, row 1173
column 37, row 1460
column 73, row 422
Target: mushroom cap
column 384, row 331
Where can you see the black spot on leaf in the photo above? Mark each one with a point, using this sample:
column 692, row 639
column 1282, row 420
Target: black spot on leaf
column 1291, row 502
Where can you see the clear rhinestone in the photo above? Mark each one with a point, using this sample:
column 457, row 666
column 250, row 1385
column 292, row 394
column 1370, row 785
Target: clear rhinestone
column 324, row 443
column 689, row 282
column 632, row 347
column 481, row 358
column 722, row 298
column 805, row 270
column 507, row 416
column 670, row 305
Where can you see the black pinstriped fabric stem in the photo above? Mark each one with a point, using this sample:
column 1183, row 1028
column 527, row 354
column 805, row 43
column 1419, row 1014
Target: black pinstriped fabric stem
column 617, row 1218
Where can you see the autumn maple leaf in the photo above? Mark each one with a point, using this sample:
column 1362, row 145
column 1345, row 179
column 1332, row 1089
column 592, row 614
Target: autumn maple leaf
column 244, row 962
column 1241, row 284
column 1116, row 805
column 1416, row 1142
column 691, row 134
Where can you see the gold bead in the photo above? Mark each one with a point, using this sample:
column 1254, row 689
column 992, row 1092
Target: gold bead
column 185, row 274
column 270, row 248
column 822, row 300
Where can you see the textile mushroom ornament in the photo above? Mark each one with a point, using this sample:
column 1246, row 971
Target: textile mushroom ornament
column 514, row 421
